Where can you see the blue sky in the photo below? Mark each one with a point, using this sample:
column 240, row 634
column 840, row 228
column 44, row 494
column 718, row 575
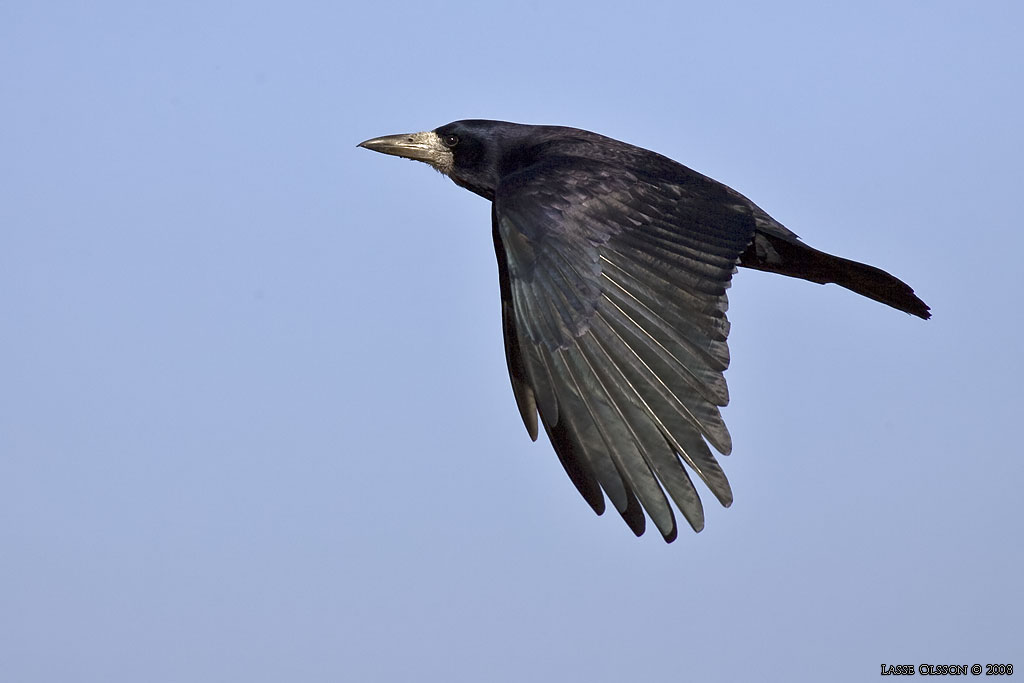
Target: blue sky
column 255, row 422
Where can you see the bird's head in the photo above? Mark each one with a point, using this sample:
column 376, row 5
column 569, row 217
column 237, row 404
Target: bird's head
column 470, row 152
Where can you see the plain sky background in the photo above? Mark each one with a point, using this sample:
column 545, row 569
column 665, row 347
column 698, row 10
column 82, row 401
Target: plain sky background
column 255, row 422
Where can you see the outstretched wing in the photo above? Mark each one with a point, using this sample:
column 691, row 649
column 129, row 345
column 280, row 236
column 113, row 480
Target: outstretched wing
column 613, row 304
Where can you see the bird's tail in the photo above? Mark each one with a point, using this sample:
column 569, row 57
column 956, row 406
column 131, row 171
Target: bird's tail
column 796, row 259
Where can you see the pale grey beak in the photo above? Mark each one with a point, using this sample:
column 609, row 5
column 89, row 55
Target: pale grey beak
column 426, row 147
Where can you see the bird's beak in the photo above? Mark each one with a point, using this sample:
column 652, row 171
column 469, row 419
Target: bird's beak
column 426, row 147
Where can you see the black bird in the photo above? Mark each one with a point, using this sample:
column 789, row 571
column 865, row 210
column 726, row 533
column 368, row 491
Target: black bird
column 613, row 263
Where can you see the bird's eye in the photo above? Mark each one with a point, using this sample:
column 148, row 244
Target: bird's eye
column 450, row 140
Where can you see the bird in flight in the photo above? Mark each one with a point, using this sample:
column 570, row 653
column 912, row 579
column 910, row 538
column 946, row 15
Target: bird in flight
column 613, row 265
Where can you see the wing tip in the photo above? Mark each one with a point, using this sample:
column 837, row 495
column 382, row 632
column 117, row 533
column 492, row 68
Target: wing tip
column 634, row 518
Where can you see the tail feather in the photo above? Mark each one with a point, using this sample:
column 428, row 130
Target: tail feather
column 796, row 259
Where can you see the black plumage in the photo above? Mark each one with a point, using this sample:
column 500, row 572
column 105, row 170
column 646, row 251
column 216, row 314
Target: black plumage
column 613, row 267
